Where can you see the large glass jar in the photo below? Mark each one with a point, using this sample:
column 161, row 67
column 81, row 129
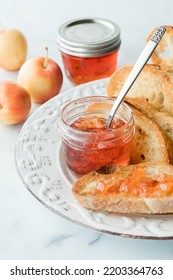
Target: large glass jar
column 89, row 49
column 87, row 144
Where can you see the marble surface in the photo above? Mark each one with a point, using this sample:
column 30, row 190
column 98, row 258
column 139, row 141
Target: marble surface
column 29, row 230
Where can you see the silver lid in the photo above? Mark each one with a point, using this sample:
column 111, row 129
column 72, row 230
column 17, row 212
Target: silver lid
column 88, row 37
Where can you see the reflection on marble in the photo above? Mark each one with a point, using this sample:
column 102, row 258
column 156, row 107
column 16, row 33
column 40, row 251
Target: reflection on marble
column 29, row 230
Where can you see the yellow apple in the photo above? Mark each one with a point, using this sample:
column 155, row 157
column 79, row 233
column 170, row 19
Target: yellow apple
column 13, row 49
column 15, row 103
column 42, row 78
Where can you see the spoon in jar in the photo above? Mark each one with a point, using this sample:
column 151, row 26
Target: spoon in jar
column 139, row 65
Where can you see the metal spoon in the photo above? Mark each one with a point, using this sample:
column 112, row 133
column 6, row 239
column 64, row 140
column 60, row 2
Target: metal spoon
column 140, row 63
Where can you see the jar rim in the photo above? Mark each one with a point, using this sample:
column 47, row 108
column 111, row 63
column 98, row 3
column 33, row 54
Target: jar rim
column 87, row 133
column 88, row 37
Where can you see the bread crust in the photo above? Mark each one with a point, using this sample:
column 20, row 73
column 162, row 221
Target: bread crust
column 84, row 192
column 135, row 205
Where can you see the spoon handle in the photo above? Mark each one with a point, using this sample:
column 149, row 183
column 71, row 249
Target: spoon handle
column 140, row 63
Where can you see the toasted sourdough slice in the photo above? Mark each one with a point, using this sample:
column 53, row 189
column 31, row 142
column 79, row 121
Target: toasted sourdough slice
column 163, row 54
column 164, row 126
column 149, row 142
column 162, row 119
column 152, row 83
column 143, row 188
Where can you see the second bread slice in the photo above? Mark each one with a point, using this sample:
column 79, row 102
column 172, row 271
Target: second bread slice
column 149, row 143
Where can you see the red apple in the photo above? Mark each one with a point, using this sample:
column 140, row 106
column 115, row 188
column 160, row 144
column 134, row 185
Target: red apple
column 42, row 77
column 13, row 49
column 15, row 103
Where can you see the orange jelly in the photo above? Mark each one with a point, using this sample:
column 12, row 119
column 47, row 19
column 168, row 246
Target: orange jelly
column 97, row 152
column 84, row 69
column 87, row 144
column 138, row 184
column 89, row 48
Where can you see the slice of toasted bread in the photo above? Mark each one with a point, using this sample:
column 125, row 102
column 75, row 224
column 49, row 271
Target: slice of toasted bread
column 152, row 83
column 165, row 121
column 143, row 188
column 149, row 142
column 163, row 54
column 161, row 119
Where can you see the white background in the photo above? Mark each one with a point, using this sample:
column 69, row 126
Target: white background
column 27, row 229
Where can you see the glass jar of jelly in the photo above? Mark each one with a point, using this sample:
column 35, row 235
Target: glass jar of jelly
column 89, row 49
column 87, row 144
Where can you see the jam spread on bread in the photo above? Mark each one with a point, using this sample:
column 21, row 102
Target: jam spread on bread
column 139, row 184
column 100, row 146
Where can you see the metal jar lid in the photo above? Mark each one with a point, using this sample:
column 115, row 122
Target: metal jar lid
column 88, row 37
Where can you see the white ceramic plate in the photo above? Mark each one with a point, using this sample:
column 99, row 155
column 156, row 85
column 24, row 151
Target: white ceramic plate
column 41, row 166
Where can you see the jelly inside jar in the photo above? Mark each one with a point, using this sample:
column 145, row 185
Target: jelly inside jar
column 100, row 147
column 85, row 69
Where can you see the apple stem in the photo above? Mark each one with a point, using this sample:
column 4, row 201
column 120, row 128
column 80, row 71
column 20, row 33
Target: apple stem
column 46, row 58
column 1, row 106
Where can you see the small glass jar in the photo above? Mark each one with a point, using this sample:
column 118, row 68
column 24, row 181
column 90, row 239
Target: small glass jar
column 89, row 49
column 87, row 148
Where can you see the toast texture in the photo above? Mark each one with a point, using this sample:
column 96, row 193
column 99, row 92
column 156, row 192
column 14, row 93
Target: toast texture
column 145, row 188
column 152, row 84
column 149, row 142
column 162, row 119
column 161, row 126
